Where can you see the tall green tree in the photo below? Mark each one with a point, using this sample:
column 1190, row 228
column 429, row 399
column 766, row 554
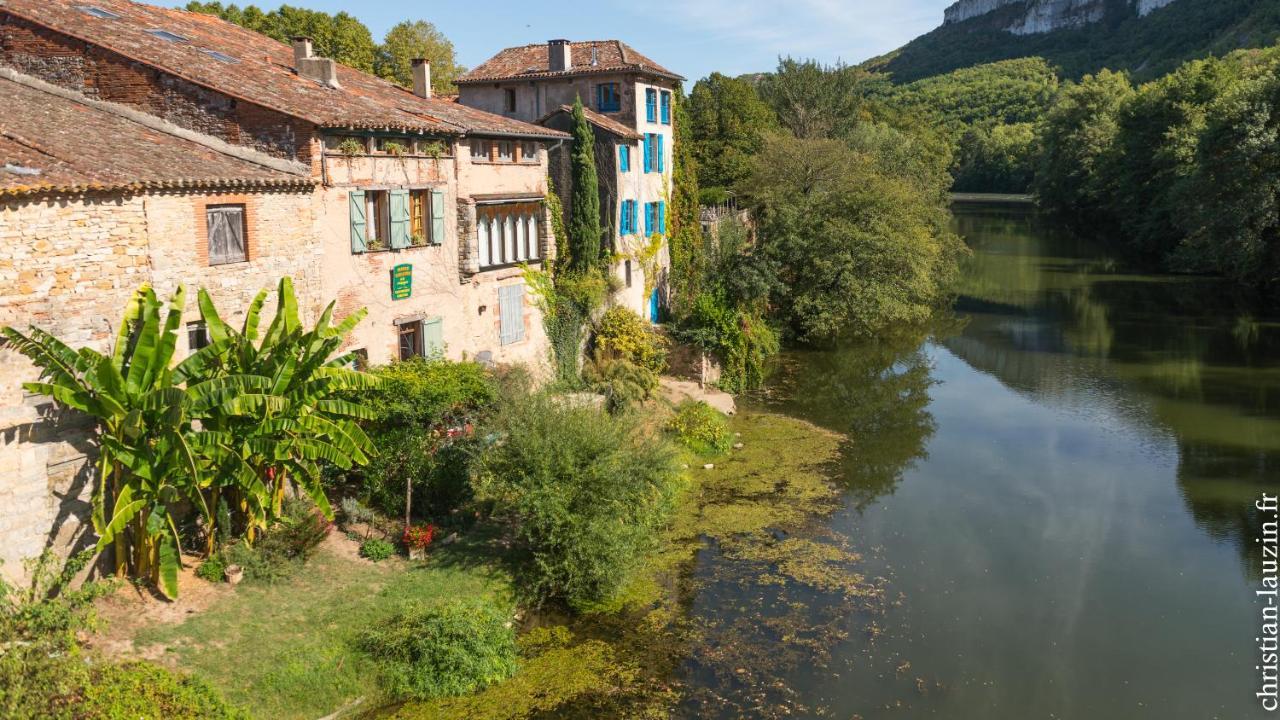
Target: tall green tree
column 812, row 100
column 339, row 36
column 726, row 122
column 586, row 247
column 418, row 39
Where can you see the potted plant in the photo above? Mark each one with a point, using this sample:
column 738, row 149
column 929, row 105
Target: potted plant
column 234, row 574
column 417, row 240
column 416, row 538
column 352, row 146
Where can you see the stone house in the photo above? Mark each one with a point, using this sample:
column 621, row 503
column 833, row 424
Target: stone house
column 95, row 200
column 230, row 160
column 629, row 101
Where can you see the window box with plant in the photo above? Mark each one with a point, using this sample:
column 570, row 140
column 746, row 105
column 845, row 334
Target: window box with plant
column 353, row 146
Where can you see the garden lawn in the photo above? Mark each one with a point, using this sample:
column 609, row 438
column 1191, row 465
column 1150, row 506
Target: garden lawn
column 285, row 650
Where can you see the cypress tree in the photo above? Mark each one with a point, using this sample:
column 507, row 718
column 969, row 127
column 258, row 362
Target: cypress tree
column 585, row 233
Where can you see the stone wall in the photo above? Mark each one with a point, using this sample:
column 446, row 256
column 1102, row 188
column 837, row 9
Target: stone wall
column 68, row 265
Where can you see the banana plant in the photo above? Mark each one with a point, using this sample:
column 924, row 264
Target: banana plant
column 147, row 464
column 281, row 435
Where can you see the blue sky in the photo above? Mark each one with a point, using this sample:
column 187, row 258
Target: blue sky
column 691, row 37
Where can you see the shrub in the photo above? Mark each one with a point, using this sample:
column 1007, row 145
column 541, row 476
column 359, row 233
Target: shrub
column 377, row 549
column 739, row 338
column 356, row 512
column 426, row 392
column 130, row 690
column 588, row 491
column 213, row 569
column 438, row 472
column 453, row 649
column 296, row 534
column 623, row 383
column 623, row 334
column 701, row 428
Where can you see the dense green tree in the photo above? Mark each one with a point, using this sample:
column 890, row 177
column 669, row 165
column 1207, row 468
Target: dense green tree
column 684, row 236
column 727, row 122
column 997, row 159
column 1012, row 91
column 585, row 232
column 1076, row 137
column 339, row 36
column 858, row 238
column 418, row 39
column 812, row 100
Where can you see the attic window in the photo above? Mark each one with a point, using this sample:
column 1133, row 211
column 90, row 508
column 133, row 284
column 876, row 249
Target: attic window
column 221, row 57
column 166, row 35
column 97, row 12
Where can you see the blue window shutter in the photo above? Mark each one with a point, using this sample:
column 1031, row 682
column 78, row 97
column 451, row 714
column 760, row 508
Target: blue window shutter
column 645, row 160
column 662, row 217
column 635, row 215
column 651, row 105
column 359, row 232
column 624, row 158
column 661, row 161
column 600, row 97
column 437, row 217
column 399, row 210
column 511, row 313
column 666, row 107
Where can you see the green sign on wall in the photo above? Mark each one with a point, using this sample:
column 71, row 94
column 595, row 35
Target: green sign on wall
column 401, row 281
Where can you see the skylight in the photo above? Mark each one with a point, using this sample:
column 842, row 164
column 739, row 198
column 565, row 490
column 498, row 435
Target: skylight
column 221, row 57
column 98, row 12
column 166, row 35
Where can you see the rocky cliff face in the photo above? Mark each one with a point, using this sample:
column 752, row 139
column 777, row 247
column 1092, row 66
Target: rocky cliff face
column 1042, row 16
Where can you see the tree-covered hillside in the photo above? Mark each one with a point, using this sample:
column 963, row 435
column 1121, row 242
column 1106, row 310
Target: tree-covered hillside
column 1147, row 47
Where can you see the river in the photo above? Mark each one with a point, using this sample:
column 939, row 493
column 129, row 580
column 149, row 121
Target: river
column 1051, row 490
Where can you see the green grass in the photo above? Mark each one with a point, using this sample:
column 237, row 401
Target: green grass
column 285, row 650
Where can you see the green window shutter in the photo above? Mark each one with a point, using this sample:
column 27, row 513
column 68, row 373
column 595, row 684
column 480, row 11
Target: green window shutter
column 359, row 236
column 399, row 209
column 433, row 337
column 437, row 217
column 511, row 314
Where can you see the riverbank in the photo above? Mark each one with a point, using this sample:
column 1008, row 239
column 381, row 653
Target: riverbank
column 285, row 650
column 992, row 198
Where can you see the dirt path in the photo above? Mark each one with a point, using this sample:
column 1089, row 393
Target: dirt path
column 676, row 390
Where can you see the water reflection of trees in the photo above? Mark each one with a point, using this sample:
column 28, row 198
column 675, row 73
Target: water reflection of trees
column 1180, row 356
column 876, row 393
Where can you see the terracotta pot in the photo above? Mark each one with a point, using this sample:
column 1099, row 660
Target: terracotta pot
column 234, row 574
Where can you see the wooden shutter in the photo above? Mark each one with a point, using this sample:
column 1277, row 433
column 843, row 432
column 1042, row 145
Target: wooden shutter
column 437, row 217
column 648, row 156
column 511, row 313
column 433, row 337
column 359, row 232
column 661, row 160
column 399, row 210
column 662, row 216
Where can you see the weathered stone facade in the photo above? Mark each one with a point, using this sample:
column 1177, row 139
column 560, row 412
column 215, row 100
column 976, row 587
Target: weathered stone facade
column 68, row 265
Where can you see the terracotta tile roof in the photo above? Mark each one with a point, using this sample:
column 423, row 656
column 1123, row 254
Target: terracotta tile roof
column 532, row 61
column 601, row 121
column 52, row 140
column 258, row 69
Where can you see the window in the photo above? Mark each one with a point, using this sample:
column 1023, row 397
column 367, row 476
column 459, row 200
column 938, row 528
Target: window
column 651, row 105
column 511, row 314
column 624, row 158
column 224, row 228
column 508, row 233
column 219, row 56
column 359, row 359
column 98, row 12
column 167, row 36
column 198, row 336
column 653, row 155
column 655, row 218
column 410, row 339
column 608, row 99
column 627, row 218
column 509, row 95
column 396, row 219
column 666, row 107
column 626, row 269
column 529, row 152
column 506, row 151
column 479, row 149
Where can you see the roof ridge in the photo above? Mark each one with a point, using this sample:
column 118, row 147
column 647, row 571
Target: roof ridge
column 218, row 145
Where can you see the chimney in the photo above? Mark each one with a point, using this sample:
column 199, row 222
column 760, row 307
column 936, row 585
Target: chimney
column 421, row 77
column 558, row 55
column 322, row 70
column 301, row 50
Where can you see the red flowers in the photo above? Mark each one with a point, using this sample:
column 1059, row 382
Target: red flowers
column 418, row 537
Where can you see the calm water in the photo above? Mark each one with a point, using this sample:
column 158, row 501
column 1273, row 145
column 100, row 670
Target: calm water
column 1054, row 491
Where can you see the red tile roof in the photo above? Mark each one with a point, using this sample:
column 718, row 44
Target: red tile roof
column 52, row 140
column 532, row 61
column 601, row 121
column 261, row 71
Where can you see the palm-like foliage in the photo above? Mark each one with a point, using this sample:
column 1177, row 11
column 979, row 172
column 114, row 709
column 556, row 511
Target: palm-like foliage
column 279, row 434
column 233, row 415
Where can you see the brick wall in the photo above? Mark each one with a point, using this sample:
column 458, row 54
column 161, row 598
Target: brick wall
column 68, row 265
column 106, row 75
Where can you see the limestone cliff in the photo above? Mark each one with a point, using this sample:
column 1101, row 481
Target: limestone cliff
column 1042, row 16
